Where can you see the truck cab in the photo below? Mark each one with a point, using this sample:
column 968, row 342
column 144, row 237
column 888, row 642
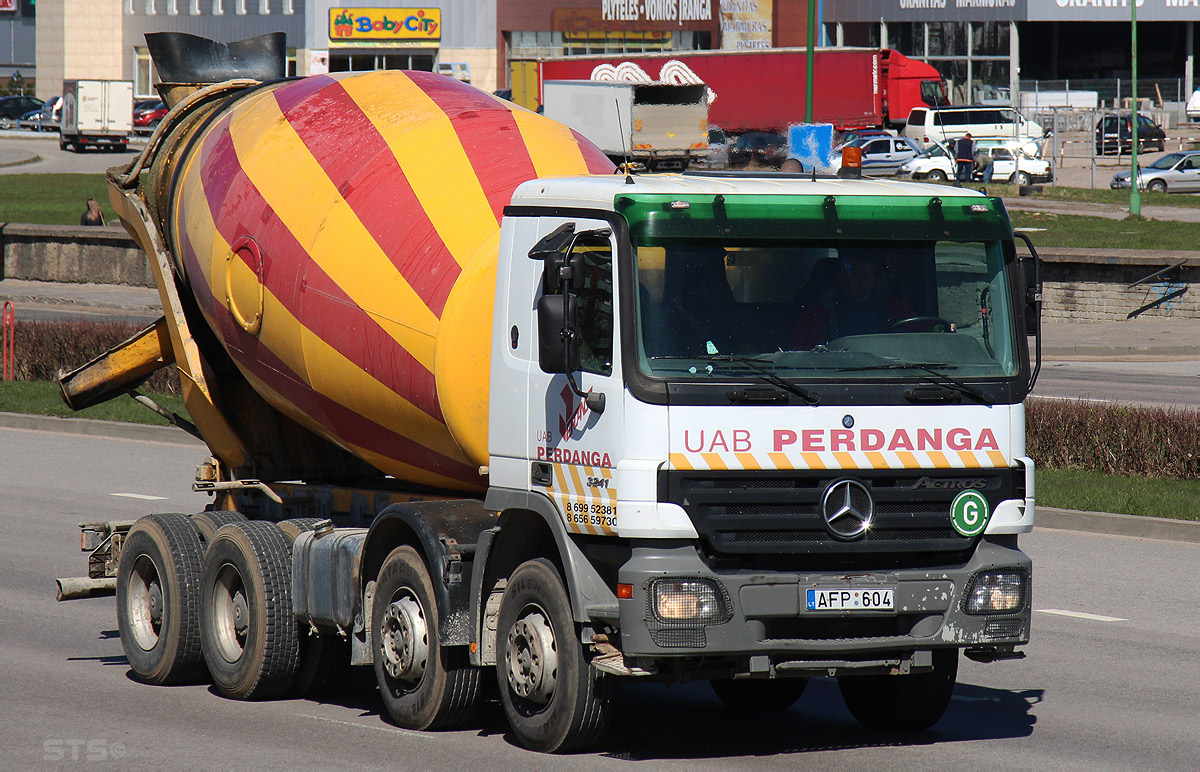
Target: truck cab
column 779, row 422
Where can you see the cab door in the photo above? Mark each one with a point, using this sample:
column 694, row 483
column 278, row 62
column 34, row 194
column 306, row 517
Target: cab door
column 579, row 441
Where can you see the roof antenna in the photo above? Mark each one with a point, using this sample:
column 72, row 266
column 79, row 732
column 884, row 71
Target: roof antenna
column 624, row 147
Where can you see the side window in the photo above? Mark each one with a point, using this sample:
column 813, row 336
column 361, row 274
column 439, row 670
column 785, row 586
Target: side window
column 916, row 118
column 877, row 147
column 596, row 306
column 1001, row 154
column 900, row 146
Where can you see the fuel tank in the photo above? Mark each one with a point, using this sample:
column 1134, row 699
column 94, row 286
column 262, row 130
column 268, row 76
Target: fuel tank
column 339, row 234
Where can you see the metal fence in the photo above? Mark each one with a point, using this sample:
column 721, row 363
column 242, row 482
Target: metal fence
column 1109, row 92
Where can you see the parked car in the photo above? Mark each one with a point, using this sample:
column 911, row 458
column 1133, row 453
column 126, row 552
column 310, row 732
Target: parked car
column 881, row 156
column 763, row 147
column 1114, row 135
column 849, row 135
column 1010, row 159
column 13, row 107
column 45, row 118
column 147, row 117
column 1193, row 106
column 1171, row 173
column 719, row 144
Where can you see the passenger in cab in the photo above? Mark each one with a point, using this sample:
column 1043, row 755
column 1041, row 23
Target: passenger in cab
column 859, row 302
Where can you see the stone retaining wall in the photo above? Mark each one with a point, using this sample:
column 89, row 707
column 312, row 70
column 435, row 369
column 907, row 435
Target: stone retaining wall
column 72, row 253
column 1093, row 285
column 1078, row 284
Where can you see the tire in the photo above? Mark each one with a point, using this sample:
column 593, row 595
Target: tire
column 1021, row 178
column 1156, row 186
column 759, row 694
column 936, row 175
column 296, row 526
column 207, row 523
column 7, row 123
column 248, row 629
column 908, row 703
column 564, row 704
column 158, row 600
column 423, row 685
column 324, row 664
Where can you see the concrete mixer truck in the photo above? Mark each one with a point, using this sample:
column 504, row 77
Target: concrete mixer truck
column 476, row 403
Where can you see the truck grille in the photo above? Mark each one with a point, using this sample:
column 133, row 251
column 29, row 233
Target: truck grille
column 779, row 512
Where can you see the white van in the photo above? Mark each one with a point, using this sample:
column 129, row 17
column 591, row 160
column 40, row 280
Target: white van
column 980, row 121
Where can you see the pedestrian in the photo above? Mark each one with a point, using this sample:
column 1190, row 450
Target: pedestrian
column 964, row 156
column 985, row 164
column 93, row 215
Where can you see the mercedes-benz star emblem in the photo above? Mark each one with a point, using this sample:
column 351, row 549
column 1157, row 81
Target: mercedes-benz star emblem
column 848, row 508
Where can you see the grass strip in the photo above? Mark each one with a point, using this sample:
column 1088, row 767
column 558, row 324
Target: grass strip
column 1097, row 492
column 1065, row 230
column 43, row 398
column 53, row 199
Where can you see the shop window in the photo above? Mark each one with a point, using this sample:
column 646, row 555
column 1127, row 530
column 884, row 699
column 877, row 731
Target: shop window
column 989, row 38
column 948, row 38
column 143, row 73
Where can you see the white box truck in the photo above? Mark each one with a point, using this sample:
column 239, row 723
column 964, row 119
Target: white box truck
column 96, row 113
column 663, row 126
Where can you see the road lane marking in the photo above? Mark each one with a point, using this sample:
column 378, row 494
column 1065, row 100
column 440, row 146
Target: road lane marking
column 139, row 496
column 1081, row 615
column 388, row 729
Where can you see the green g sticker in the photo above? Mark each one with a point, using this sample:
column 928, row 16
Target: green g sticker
column 969, row 513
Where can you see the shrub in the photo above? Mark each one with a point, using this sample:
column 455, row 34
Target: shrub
column 43, row 350
column 1114, row 439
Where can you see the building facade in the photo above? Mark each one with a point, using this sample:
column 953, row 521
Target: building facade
column 105, row 39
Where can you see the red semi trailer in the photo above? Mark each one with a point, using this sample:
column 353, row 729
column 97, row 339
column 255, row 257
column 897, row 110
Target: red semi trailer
column 757, row 89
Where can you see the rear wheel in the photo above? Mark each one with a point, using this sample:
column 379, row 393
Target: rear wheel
column 937, row 175
column 907, row 703
column 423, row 685
column 1157, row 186
column 759, row 694
column 207, row 523
column 554, row 699
column 158, row 600
column 249, row 632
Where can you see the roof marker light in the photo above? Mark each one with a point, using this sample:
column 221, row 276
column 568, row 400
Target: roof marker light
column 680, row 205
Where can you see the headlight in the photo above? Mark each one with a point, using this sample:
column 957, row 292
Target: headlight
column 688, row 601
column 995, row 592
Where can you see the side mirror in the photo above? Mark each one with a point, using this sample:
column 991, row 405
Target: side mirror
column 558, row 350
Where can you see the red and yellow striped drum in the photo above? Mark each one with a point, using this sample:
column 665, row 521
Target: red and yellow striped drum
column 340, row 234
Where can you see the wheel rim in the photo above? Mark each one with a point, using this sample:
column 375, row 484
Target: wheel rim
column 144, row 603
column 532, row 657
column 404, row 638
column 231, row 613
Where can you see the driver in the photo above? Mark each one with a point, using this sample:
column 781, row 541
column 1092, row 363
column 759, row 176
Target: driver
column 853, row 305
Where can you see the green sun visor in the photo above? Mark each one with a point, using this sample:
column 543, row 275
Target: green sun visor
column 938, row 218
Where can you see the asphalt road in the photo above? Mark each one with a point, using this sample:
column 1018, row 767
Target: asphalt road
column 1116, row 689
column 16, row 145
column 1170, row 384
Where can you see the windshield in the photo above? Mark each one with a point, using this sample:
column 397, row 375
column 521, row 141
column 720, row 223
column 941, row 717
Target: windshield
column 934, row 151
column 1166, row 162
column 824, row 309
column 933, row 92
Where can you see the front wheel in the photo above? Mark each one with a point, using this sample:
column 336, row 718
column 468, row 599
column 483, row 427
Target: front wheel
column 937, row 175
column 1021, row 178
column 1157, row 186
column 554, row 699
column 423, row 685
column 906, row 703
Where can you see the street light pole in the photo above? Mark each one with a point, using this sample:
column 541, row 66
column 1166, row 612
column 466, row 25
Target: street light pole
column 808, row 61
column 1135, row 195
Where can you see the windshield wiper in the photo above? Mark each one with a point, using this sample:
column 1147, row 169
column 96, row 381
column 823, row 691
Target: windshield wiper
column 757, row 365
column 766, row 375
column 935, row 376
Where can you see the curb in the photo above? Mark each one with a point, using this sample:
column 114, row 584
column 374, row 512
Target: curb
column 1118, row 525
column 95, row 428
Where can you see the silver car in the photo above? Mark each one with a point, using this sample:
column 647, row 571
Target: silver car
column 1172, row 173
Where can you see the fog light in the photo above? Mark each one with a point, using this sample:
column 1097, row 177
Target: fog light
column 995, row 592
column 688, row 600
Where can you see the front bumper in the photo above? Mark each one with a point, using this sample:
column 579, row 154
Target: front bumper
column 767, row 620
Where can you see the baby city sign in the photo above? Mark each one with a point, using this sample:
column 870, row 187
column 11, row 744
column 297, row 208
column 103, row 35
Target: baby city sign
column 347, row 25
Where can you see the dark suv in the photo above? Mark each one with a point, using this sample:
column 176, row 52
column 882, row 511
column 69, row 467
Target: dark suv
column 13, row 107
column 1113, row 135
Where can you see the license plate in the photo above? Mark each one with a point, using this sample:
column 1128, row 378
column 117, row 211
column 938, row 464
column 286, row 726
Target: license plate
column 876, row 599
